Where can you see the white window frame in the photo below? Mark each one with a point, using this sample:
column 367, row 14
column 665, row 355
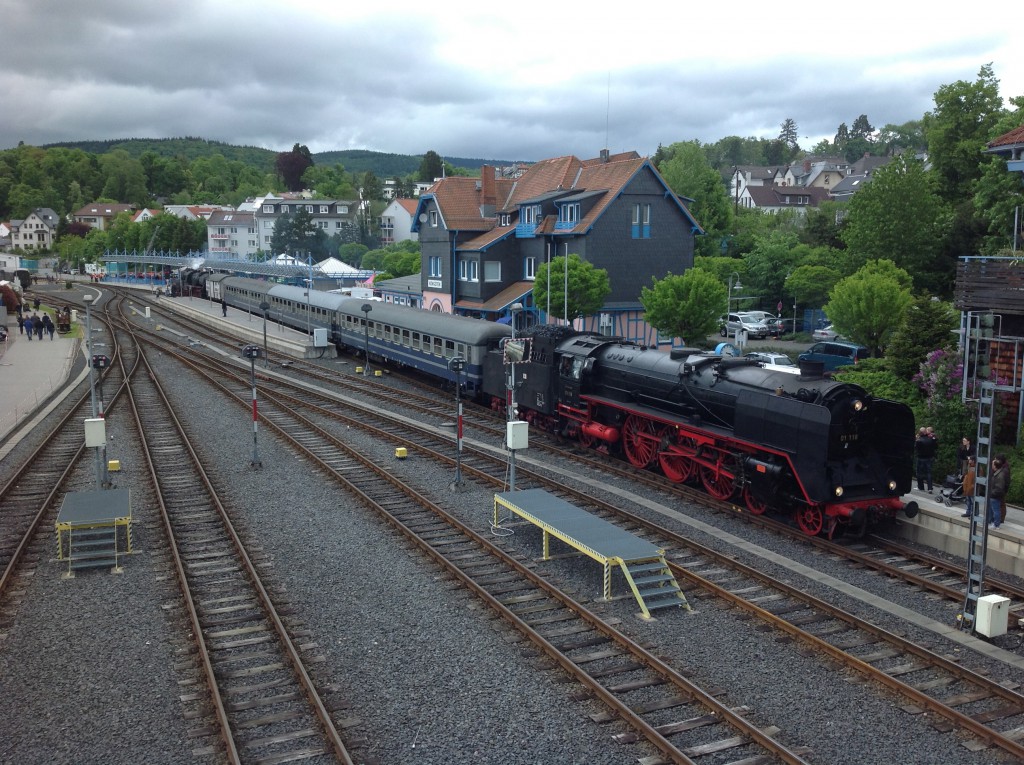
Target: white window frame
column 435, row 265
column 530, row 268
column 433, row 218
column 492, row 270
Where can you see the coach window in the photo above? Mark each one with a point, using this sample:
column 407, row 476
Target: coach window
column 416, row 340
column 425, row 347
column 460, row 350
column 378, row 331
column 387, row 332
column 449, row 349
column 437, row 346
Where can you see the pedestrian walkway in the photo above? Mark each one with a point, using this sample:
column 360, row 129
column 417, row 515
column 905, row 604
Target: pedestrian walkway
column 30, row 373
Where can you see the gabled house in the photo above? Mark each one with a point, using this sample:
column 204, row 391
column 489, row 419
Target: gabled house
column 101, row 214
column 145, row 214
column 396, row 221
column 849, row 186
column 483, row 240
column 754, row 175
column 36, row 232
column 775, row 199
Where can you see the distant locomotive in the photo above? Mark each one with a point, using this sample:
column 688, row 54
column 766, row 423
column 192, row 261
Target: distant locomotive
column 822, row 451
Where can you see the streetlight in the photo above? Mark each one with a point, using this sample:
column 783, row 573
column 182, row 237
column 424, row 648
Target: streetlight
column 366, row 333
column 733, row 285
column 265, row 307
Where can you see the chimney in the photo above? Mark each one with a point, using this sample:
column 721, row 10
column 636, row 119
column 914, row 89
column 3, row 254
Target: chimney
column 487, row 196
column 807, row 165
column 604, row 156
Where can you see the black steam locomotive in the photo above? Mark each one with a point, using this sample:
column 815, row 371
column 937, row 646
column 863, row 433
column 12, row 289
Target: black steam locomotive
column 821, row 450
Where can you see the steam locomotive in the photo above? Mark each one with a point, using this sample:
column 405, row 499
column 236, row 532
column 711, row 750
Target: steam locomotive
column 822, row 451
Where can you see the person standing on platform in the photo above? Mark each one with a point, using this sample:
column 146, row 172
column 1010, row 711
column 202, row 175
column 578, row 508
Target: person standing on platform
column 21, row 324
column 223, row 307
column 963, row 453
column 35, row 304
column 998, row 485
column 970, row 473
column 37, row 324
column 49, row 326
column 926, row 446
column 28, row 326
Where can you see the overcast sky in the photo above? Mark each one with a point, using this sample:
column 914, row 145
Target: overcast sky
column 482, row 80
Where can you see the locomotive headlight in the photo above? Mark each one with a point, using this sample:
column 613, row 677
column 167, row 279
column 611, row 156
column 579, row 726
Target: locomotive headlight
column 839, row 491
column 892, row 485
column 858, row 405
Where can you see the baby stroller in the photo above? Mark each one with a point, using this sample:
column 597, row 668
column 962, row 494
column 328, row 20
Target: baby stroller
column 952, row 490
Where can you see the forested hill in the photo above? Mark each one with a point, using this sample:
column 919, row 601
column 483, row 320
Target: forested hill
column 353, row 160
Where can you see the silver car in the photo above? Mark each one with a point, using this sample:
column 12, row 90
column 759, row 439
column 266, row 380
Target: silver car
column 755, row 328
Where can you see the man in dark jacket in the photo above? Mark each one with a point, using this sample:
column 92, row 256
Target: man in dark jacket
column 926, row 446
column 998, row 486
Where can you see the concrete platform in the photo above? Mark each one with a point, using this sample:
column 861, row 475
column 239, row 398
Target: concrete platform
column 945, row 528
column 31, row 373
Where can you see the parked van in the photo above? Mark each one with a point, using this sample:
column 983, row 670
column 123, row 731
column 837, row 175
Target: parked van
column 835, row 354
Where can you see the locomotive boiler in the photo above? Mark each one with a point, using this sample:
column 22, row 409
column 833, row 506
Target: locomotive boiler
column 823, row 451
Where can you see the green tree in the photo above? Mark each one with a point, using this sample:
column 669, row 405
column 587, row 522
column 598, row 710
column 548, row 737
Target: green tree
column 431, row 167
column 900, row 216
column 329, row 182
column 999, row 193
column 352, row 253
column 685, row 306
column 587, row 287
column 867, row 306
column 767, row 265
column 811, row 285
column 298, row 234
column 927, row 325
column 371, row 186
column 688, row 174
column 789, row 134
column 957, row 130
column 124, row 178
column 862, row 128
column 895, row 139
column 823, row 224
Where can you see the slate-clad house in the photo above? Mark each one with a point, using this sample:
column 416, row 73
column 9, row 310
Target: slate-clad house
column 483, row 240
column 36, row 232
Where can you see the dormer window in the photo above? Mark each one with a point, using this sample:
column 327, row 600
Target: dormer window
column 569, row 213
column 505, row 219
column 530, row 215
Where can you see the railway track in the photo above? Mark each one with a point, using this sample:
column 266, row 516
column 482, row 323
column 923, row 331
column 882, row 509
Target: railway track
column 637, row 686
column 884, row 658
column 265, row 706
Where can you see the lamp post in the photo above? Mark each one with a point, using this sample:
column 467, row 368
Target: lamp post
column 366, row 334
column 95, row 363
column 309, row 288
column 733, row 285
column 265, row 307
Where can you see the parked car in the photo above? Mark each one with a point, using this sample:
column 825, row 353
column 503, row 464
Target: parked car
column 775, row 359
column 834, row 354
column 826, row 333
column 755, row 328
column 776, row 326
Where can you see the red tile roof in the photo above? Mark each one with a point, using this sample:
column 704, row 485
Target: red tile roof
column 1015, row 136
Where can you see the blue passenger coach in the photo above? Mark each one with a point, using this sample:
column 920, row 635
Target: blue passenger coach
column 400, row 335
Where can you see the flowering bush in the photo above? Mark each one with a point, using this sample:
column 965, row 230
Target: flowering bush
column 941, row 377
